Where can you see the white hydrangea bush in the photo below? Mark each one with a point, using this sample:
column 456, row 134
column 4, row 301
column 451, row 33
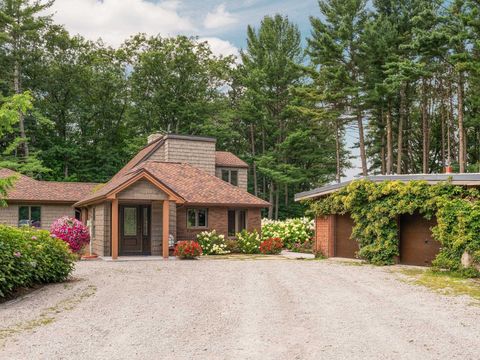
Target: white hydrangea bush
column 212, row 243
column 293, row 232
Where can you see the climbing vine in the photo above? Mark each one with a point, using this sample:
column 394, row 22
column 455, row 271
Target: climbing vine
column 375, row 208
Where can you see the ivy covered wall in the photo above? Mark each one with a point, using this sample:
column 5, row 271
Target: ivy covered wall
column 375, row 208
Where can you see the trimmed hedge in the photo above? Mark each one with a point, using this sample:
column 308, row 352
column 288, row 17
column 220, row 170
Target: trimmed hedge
column 29, row 256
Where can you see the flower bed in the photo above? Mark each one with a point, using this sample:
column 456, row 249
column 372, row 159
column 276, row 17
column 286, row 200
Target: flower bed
column 212, row 243
column 72, row 231
column 248, row 242
column 271, row 246
column 188, row 249
column 29, row 256
column 293, row 232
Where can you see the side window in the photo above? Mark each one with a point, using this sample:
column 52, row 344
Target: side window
column 197, row 218
column 30, row 216
column 93, row 222
column 234, row 177
column 237, row 221
column 226, row 175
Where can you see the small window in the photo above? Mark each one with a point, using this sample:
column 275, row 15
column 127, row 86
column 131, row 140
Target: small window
column 230, row 176
column 197, row 218
column 93, row 222
column 30, row 216
column 237, row 221
column 234, row 177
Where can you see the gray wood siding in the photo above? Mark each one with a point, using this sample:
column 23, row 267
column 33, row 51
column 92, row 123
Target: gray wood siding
column 142, row 190
column 49, row 213
column 200, row 154
column 101, row 239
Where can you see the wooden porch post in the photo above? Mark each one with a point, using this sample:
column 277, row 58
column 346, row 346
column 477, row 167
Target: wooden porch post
column 115, row 228
column 166, row 228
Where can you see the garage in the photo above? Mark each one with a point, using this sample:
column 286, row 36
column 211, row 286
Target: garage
column 344, row 246
column 417, row 246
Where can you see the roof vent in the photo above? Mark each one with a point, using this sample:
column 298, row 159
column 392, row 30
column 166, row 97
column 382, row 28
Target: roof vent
column 154, row 137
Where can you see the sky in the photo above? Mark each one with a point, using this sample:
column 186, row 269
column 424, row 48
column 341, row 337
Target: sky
column 222, row 23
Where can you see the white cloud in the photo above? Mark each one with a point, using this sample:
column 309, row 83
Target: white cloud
column 116, row 20
column 219, row 18
column 220, row 47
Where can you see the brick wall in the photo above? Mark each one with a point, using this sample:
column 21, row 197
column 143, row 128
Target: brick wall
column 324, row 235
column 217, row 219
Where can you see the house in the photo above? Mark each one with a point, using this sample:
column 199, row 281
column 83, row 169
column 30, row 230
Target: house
column 416, row 244
column 174, row 188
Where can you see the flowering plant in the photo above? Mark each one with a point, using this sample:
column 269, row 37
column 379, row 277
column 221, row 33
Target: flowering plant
column 188, row 249
column 291, row 231
column 212, row 243
column 271, row 246
column 72, row 231
column 248, row 242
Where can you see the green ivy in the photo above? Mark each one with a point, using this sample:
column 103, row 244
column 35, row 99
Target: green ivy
column 375, row 208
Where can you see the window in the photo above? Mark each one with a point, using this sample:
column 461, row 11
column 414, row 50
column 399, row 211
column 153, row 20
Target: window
column 29, row 216
column 230, row 176
column 237, row 221
column 197, row 218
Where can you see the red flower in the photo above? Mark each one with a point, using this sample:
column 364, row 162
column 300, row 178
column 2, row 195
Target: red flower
column 188, row 249
column 271, row 246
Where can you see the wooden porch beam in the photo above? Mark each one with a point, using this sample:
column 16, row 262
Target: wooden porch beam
column 115, row 228
column 165, row 227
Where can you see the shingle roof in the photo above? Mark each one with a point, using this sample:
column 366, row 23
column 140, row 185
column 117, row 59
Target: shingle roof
column 191, row 184
column 227, row 159
column 28, row 189
column 468, row 179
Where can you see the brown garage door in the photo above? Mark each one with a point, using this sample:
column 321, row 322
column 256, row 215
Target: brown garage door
column 417, row 246
column 344, row 246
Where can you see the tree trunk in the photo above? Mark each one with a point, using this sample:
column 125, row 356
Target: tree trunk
column 389, row 141
column 338, row 173
column 382, row 150
column 254, row 166
column 400, row 128
column 21, row 117
column 270, row 199
column 363, row 155
column 425, row 129
column 277, row 195
column 461, row 131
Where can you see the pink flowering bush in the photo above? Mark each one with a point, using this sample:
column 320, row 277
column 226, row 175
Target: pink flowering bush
column 72, row 231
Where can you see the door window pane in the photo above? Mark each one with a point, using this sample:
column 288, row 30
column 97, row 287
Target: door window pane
column 145, row 221
column 130, row 221
column 242, row 220
column 231, row 223
column 234, row 177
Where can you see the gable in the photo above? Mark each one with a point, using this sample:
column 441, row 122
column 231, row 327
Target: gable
column 142, row 190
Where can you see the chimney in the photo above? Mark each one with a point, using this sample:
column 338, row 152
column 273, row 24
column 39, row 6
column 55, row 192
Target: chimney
column 153, row 137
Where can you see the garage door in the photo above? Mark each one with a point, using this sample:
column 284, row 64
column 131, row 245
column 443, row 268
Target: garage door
column 417, row 246
column 344, row 246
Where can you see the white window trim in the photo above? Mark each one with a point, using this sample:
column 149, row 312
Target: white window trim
column 196, row 226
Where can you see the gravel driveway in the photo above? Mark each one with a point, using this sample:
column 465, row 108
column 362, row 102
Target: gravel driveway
column 231, row 309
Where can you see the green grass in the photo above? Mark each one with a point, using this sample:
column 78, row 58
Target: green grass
column 446, row 283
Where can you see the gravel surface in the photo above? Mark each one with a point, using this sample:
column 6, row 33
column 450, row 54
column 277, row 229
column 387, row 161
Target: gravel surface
column 232, row 309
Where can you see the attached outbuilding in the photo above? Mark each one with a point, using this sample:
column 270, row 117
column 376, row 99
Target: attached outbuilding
column 416, row 243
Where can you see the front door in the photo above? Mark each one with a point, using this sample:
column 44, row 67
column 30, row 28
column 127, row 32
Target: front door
column 135, row 230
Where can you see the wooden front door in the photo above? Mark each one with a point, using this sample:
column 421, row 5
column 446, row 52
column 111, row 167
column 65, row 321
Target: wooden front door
column 135, row 230
column 417, row 245
column 344, row 246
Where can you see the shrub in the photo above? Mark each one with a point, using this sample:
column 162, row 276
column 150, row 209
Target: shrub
column 306, row 247
column 291, row 231
column 187, row 249
column 232, row 246
column 29, row 256
column 212, row 243
column 271, row 246
column 248, row 243
column 72, row 231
